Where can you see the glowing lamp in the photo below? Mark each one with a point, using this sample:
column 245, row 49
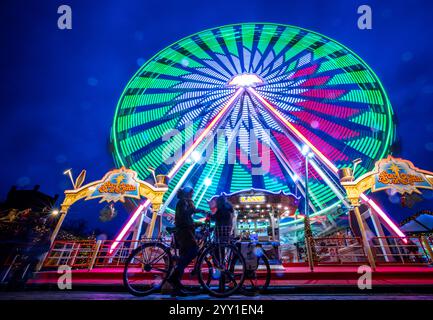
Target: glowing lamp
column 246, row 80
column 207, row 182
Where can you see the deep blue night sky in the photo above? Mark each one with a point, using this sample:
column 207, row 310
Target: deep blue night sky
column 59, row 88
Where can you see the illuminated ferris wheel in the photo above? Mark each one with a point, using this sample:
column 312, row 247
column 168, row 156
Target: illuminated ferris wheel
column 289, row 88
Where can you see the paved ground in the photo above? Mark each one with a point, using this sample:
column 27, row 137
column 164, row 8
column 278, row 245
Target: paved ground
column 85, row 295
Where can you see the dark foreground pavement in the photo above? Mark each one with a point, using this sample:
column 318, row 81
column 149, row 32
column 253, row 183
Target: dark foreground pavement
column 85, row 295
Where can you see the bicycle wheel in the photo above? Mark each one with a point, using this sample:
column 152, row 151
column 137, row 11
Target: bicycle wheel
column 147, row 269
column 221, row 270
column 258, row 274
column 206, row 264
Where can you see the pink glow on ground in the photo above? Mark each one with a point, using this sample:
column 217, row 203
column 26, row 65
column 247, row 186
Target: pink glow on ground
column 290, row 275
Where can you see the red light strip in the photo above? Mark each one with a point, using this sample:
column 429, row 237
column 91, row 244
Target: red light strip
column 330, row 165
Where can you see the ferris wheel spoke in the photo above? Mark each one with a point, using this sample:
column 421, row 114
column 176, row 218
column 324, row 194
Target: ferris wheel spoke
column 300, row 183
column 211, row 126
column 219, row 161
column 286, row 164
column 325, row 160
column 192, row 166
column 295, row 131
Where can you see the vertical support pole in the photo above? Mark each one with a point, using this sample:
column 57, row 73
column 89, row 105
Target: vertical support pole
column 75, row 253
column 396, row 245
column 58, row 225
column 367, row 247
column 382, row 240
column 308, row 240
column 95, row 254
column 273, row 221
column 53, row 237
column 151, row 226
column 427, row 247
column 137, row 230
column 307, row 227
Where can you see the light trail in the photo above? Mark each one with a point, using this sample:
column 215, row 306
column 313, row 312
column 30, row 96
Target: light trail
column 128, row 225
column 179, row 164
column 325, row 160
column 205, row 132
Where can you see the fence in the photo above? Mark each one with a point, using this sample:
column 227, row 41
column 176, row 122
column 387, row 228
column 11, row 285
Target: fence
column 341, row 250
column 76, row 254
column 326, row 251
column 393, row 250
column 293, row 253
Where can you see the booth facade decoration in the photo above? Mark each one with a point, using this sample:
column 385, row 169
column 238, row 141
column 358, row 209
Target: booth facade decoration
column 116, row 185
column 389, row 173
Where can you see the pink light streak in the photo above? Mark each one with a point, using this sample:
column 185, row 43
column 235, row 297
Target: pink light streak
column 179, row 164
column 384, row 216
column 325, row 160
column 128, row 225
column 205, row 132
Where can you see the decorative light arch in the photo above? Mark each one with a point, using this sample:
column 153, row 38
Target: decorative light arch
column 117, row 185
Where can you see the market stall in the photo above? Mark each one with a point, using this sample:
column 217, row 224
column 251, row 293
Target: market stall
column 258, row 213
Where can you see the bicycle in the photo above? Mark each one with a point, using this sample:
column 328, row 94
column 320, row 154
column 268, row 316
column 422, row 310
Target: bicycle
column 258, row 270
column 17, row 274
column 219, row 264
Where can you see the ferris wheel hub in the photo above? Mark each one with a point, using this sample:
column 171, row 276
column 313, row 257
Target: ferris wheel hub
column 246, row 80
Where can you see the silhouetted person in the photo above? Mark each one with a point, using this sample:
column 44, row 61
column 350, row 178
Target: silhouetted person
column 223, row 218
column 185, row 237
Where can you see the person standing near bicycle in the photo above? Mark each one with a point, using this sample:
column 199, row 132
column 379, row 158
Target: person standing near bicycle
column 223, row 218
column 185, row 237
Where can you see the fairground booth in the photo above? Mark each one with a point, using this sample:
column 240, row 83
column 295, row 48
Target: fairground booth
column 258, row 214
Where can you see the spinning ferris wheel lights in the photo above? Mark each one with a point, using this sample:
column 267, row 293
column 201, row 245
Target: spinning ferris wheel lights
column 205, row 132
column 294, row 130
column 324, row 96
column 190, row 152
column 325, row 160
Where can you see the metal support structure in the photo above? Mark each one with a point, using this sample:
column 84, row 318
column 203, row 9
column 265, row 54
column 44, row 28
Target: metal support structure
column 58, row 225
column 381, row 236
column 425, row 243
column 95, row 254
column 307, row 227
column 138, row 226
column 151, row 226
column 365, row 242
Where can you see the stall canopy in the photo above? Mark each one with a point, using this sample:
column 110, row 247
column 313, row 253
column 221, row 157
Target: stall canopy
column 419, row 223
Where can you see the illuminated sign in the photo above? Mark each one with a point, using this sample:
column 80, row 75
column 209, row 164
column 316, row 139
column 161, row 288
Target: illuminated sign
column 400, row 175
column 252, row 199
column 116, row 186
